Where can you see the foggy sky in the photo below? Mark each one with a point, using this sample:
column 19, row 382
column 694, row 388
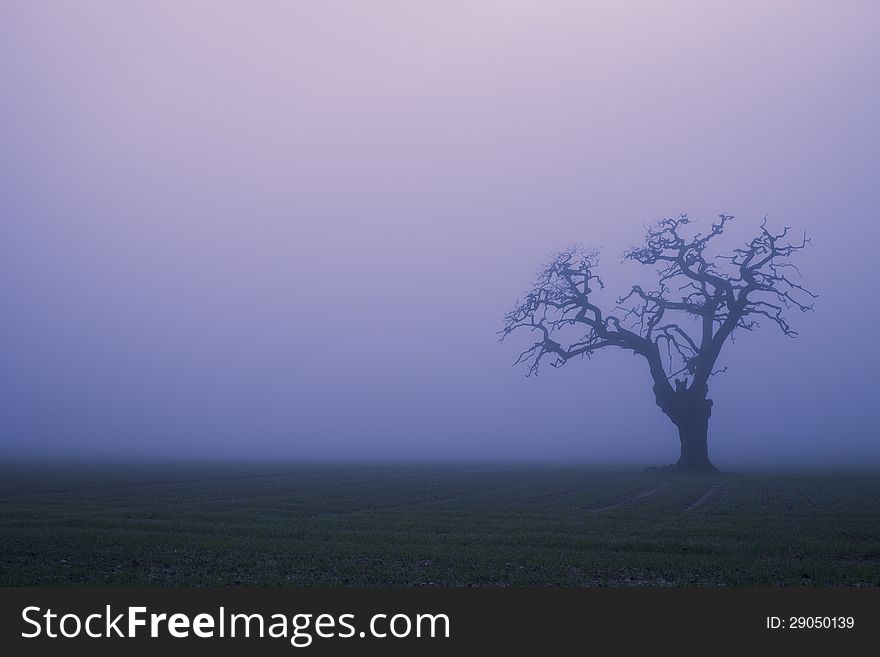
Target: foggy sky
column 291, row 229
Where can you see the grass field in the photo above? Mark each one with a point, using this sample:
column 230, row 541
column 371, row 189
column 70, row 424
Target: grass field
column 409, row 525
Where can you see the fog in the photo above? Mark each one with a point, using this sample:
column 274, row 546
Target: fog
column 290, row 230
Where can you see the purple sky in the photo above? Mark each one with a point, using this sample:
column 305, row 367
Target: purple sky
column 291, row 229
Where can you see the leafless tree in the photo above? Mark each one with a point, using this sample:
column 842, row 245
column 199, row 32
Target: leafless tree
column 679, row 327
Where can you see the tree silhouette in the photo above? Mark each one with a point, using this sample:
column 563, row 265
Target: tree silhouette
column 679, row 327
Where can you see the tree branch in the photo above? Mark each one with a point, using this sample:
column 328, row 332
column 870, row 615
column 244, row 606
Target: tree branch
column 715, row 294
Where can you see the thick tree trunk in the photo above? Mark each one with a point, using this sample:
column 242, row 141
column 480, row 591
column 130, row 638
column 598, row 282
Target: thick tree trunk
column 694, row 445
column 689, row 410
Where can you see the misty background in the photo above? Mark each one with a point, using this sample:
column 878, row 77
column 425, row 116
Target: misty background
column 291, row 229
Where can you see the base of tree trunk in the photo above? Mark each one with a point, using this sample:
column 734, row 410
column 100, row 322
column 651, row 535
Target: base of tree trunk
column 678, row 468
column 693, row 435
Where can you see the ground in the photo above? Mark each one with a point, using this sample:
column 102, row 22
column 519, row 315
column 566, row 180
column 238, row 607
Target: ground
column 449, row 525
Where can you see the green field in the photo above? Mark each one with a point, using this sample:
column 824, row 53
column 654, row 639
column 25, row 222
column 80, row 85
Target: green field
column 449, row 525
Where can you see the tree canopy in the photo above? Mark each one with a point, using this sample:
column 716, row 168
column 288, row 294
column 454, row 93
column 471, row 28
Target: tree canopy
column 681, row 324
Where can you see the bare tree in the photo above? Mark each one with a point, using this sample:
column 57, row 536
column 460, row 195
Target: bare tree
column 679, row 327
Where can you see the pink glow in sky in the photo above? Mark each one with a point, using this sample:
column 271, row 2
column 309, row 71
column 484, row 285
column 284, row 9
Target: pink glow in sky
column 291, row 229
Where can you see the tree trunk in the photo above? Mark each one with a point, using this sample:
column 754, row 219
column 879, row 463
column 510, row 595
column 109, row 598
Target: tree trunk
column 689, row 410
column 694, row 445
